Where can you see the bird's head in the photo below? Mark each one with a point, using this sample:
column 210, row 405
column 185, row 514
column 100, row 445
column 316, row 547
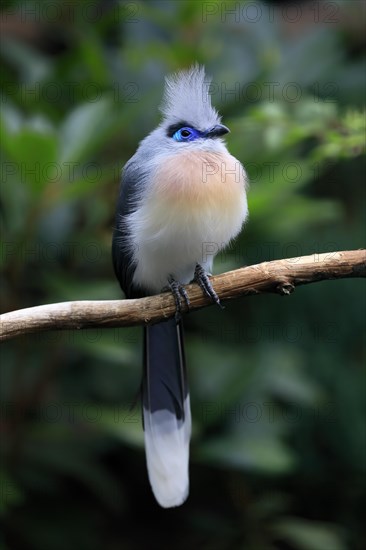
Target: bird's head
column 189, row 120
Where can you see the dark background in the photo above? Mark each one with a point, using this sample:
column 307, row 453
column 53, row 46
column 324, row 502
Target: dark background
column 277, row 384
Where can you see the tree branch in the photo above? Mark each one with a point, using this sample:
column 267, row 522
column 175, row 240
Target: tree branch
column 279, row 276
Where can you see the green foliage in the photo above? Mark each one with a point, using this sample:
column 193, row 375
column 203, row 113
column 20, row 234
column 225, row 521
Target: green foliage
column 278, row 449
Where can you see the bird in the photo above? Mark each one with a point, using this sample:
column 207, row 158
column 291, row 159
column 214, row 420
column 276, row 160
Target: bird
column 182, row 199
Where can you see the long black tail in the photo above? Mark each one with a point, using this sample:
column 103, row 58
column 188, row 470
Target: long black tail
column 166, row 411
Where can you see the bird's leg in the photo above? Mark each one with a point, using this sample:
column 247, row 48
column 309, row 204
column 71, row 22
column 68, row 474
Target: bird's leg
column 202, row 279
column 180, row 294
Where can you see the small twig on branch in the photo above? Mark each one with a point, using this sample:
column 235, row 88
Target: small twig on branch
column 279, row 276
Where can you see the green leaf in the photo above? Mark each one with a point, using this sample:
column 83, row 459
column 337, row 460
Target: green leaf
column 125, row 424
column 35, row 154
column 309, row 535
column 266, row 455
column 83, row 130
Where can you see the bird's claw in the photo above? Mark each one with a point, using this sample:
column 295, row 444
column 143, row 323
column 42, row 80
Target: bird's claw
column 180, row 295
column 203, row 280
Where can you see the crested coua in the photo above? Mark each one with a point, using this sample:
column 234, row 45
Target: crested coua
column 182, row 199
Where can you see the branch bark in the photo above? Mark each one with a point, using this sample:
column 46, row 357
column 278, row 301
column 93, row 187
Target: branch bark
column 279, row 276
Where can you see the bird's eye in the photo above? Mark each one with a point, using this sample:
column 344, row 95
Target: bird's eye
column 185, row 134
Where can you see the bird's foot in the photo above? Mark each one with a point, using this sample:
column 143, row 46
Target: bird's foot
column 180, row 295
column 203, row 280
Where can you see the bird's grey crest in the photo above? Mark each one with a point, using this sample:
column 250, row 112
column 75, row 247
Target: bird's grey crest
column 186, row 97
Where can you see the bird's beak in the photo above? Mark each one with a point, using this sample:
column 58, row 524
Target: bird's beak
column 217, row 131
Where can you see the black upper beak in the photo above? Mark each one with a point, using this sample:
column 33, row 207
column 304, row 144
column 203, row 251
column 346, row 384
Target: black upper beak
column 217, row 131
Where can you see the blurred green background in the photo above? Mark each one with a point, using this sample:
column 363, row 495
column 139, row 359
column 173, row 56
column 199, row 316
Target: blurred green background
column 277, row 384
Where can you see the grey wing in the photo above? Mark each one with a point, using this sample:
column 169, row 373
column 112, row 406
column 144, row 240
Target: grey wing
column 122, row 249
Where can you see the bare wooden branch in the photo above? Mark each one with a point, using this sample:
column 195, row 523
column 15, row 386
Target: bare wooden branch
column 279, row 276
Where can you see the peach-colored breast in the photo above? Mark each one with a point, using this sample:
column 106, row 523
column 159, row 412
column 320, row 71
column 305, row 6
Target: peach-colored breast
column 196, row 180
